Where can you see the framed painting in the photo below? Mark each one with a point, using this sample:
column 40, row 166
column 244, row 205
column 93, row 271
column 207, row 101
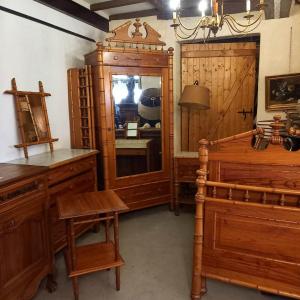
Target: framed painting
column 282, row 92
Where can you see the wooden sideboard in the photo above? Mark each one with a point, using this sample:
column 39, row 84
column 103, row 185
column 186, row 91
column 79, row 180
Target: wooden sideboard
column 30, row 231
column 69, row 171
column 186, row 165
column 24, row 240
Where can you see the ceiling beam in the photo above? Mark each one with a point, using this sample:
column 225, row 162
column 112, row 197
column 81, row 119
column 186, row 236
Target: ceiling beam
column 113, row 4
column 135, row 14
column 158, row 5
column 78, row 12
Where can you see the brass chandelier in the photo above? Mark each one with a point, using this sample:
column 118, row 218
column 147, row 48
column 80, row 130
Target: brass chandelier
column 212, row 24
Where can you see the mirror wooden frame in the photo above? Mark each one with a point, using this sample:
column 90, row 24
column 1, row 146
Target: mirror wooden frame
column 22, row 100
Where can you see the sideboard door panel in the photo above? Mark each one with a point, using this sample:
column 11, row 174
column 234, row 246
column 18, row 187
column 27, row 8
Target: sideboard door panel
column 23, row 247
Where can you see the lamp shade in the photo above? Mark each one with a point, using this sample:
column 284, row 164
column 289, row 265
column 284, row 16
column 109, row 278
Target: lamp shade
column 195, row 96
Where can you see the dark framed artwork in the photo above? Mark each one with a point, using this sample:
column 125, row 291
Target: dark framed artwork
column 282, row 92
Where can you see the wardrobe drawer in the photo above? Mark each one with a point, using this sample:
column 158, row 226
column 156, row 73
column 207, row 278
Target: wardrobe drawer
column 67, row 171
column 144, row 192
column 135, row 59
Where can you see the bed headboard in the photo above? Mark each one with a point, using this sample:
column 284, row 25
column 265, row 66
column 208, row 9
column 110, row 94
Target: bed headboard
column 235, row 160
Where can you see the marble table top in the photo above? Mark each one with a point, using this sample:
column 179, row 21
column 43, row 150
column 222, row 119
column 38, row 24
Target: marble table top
column 54, row 159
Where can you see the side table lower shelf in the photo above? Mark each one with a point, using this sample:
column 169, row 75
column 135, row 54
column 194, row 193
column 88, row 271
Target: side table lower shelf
column 185, row 169
column 94, row 257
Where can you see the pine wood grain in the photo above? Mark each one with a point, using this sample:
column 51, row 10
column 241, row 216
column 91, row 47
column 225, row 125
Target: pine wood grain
column 228, row 71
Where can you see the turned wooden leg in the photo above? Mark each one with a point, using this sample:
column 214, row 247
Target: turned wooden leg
column 116, row 238
column 203, row 286
column 118, row 278
column 96, row 228
column 51, row 284
column 107, row 223
column 75, row 288
column 176, row 208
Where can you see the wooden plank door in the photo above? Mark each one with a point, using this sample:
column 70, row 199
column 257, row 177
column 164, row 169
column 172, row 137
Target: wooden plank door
column 228, row 71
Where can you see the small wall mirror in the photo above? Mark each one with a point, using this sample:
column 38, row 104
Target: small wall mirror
column 32, row 117
column 137, row 115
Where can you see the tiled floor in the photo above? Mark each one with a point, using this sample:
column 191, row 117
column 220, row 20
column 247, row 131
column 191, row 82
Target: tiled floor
column 157, row 248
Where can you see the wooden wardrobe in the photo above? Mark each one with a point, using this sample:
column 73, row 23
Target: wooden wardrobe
column 135, row 159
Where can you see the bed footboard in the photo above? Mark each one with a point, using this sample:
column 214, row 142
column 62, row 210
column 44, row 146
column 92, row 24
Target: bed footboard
column 246, row 235
column 253, row 245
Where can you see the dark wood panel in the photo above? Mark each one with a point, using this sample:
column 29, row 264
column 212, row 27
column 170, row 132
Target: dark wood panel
column 79, row 12
column 136, row 14
column 113, row 4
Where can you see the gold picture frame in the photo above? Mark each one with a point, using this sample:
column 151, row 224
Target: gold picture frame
column 282, row 92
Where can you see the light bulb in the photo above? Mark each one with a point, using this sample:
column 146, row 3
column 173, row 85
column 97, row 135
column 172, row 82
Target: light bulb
column 174, row 4
column 248, row 5
column 203, row 7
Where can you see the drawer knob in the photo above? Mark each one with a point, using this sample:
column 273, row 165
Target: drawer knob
column 115, row 57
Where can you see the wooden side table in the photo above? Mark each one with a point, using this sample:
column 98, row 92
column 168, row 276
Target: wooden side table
column 185, row 168
column 81, row 260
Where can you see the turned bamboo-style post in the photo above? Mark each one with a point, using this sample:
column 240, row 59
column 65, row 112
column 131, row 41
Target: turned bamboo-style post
column 197, row 280
column 44, row 108
column 101, row 111
column 276, row 139
column 171, row 131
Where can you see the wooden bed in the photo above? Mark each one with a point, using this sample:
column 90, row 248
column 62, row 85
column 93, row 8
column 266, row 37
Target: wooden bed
column 247, row 225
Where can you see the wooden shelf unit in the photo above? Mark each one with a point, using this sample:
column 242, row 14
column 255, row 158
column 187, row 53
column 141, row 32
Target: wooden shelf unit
column 81, row 108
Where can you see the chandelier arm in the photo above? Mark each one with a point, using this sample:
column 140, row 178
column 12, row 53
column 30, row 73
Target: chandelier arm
column 251, row 27
column 188, row 35
column 189, row 29
column 231, row 28
column 242, row 33
column 234, row 27
column 240, row 24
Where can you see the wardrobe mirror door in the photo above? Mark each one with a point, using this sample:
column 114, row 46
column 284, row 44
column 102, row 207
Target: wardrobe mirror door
column 138, row 123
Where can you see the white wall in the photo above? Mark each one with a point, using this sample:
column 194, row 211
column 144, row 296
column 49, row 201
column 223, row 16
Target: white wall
column 31, row 52
column 274, row 55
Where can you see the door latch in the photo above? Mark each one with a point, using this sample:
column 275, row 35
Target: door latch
column 244, row 113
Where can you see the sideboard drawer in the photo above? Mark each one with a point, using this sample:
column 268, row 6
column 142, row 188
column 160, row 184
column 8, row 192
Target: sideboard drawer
column 62, row 173
column 22, row 189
